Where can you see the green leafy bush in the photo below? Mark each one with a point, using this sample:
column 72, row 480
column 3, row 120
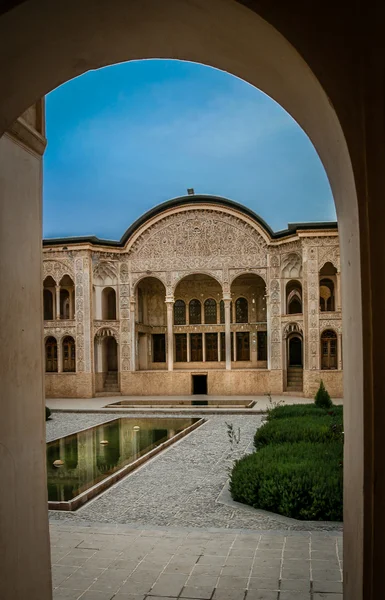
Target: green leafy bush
column 322, row 398
column 303, row 410
column 297, row 429
column 47, row 413
column 301, row 480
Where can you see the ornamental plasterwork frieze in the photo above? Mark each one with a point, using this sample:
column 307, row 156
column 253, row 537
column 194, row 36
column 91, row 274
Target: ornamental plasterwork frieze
column 137, row 277
column 291, row 265
column 107, row 331
column 328, row 254
column 105, row 269
column 60, row 332
column 177, row 276
column 198, row 238
column 57, row 269
column 99, row 324
column 261, row 272
column 330, row 324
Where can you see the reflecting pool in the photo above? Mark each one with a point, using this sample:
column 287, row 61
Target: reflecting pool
column 76, row 463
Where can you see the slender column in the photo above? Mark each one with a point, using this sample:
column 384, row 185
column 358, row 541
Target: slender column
column 204, row 347
column 219, row 346
column 72, row 304
column 339, row 351
column 60, row 355
column 188, row 348
column 170, row 332
column 235, row 346
column 227, row 303
column 268, row 327
column 57, row 288
column 133, row 334
column 338, row 294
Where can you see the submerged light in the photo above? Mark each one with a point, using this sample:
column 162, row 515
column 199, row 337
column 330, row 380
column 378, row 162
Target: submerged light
column 104, row 442
column 136, row 427
column 58, row 463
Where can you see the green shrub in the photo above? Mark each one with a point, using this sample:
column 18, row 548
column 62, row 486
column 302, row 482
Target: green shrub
column 302, row 410
column 301, row 480
column 322, row 398
column 47, row 413
column 297, row 429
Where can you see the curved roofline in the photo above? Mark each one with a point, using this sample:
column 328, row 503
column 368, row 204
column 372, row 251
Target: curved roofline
column 188, row 200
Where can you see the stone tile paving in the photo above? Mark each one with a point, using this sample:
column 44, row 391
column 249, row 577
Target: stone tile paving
column 180, row 486
column 126, row 563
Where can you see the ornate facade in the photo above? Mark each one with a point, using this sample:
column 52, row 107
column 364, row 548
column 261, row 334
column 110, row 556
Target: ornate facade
column 199, row 296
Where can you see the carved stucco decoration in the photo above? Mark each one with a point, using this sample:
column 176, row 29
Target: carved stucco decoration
column 105, row 270
column 291, row 266
column 329, row 254
column 57, row 269
column 334, row 324
column 292, row 327
column 261, row 272
column 198, row 239
column 311, row 257
column 104, row 332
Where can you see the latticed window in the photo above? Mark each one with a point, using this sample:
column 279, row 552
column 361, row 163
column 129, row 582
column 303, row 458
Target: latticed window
column 179, row 313
column 196, row 351
column 195, row 312
column 262, row 345
column 210, row 311
column 329, row 350
column 181, row 347
column 69, row 361
column 159, row 347
column 51, row 355
column 243, row 345
column 241, row 311
column 211, row 341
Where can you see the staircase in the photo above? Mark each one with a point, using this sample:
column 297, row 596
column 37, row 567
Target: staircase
column 111, row 382
column 294, row 379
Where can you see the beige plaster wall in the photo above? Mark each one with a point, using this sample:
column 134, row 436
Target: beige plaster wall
column 25, row 560
column 69, row 385
column 157, row 383
column 333, row 381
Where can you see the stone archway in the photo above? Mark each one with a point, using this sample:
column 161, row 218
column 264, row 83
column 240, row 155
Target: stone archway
column 72, row 38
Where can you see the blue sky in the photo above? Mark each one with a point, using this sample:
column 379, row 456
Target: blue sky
column 125, row 138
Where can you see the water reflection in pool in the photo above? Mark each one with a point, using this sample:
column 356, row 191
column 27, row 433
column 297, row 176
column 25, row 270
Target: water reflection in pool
column 88, row 457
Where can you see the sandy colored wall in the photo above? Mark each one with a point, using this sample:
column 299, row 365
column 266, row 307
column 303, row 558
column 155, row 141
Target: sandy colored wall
column 333, row 381
column 69, row 385
column 155, row 384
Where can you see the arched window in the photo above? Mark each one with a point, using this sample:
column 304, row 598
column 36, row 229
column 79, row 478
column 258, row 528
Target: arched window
column 64, row 304
column 329, row 350
column 326, row 292
column 48, row 305
column 51, row 355
column 293, row 298
column 180, row 313
column 69, row 358
column 195, row 312
column 210, row 311
column 241, row 311
column 109, row 304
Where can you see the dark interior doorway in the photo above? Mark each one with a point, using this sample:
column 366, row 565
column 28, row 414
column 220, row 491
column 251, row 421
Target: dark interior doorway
column 295, row 352
column 199, row 384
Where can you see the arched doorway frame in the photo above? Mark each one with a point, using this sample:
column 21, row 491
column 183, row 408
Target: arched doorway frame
column 71, row 36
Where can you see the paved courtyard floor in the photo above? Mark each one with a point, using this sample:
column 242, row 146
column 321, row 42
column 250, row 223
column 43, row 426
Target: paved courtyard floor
column 124, row 563
column 164, row 531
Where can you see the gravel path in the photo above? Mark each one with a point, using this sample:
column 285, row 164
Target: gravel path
column 180, row 486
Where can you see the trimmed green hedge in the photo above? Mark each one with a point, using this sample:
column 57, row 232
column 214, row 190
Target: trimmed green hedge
column 302, row 410
column 301, row 480
column 298, row 429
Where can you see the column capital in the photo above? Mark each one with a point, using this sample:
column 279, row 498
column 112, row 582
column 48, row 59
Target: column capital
column 226, row 297
column 169, row 300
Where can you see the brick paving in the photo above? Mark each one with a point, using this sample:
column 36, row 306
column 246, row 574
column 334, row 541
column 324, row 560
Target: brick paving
column 125, row 563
